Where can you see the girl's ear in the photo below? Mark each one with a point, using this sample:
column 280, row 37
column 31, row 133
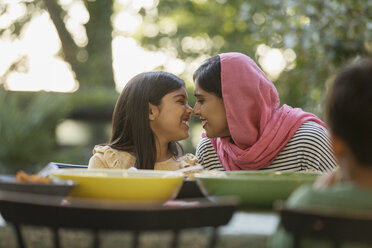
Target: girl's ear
column 153, row 112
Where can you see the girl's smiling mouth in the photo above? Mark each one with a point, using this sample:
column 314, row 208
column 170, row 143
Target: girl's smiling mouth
column 186, row 121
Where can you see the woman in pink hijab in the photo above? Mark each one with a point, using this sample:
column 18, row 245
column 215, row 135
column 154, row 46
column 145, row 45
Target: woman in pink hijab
column 244, row 126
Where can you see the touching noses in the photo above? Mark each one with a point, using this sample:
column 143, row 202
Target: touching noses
column 196, row 110
column 189, row 110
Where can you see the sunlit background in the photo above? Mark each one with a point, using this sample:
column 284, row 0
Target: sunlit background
column 39, row 43
column 298, row 45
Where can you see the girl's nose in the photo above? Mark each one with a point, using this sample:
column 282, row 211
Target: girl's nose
column 189, row 109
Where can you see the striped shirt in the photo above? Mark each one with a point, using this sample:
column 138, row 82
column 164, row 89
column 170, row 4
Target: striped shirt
column 308, row 150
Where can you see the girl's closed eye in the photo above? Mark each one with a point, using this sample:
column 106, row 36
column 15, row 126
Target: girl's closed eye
column 200, row 101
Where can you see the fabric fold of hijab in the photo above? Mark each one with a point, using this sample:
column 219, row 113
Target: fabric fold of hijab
column 258, row 127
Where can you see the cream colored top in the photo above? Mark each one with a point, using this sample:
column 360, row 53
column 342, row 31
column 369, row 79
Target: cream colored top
column 109, row 158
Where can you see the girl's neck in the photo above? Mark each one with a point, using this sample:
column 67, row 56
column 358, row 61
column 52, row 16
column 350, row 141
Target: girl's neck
column 162, row 153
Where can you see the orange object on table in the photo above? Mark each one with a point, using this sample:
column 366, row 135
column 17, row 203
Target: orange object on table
column 22, row 176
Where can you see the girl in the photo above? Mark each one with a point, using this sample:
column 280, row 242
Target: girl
column 150, row 115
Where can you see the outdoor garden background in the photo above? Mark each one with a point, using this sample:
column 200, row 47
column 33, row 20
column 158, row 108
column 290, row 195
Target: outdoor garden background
column 64, row 62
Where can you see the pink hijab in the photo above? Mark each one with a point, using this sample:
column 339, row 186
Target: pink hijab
column 258, row 127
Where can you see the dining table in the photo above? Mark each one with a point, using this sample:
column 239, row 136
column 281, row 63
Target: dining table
column 205, row 223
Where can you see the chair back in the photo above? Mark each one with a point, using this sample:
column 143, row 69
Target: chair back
column 338, row 227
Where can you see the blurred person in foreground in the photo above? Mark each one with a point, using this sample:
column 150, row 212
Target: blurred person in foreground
column 349, row 112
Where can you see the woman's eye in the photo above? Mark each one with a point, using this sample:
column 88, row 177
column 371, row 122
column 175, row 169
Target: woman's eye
column 200, row 101
column 182, row 102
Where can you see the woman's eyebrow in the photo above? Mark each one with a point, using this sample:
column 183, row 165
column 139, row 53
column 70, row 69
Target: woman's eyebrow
column 180, row 95
column 198, row 95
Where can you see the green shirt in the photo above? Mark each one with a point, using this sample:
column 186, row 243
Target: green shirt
column 342, row 196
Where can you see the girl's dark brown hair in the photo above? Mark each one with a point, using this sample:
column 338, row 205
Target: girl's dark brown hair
column 131, row 130
column 208, row 76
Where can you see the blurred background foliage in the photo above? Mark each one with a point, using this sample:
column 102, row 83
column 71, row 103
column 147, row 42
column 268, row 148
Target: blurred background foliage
column 27, row 127
column 303, row 42
column 316, row 37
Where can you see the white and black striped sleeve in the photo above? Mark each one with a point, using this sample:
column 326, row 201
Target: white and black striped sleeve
column 207, row 156
column 316, row 148
column 308, row 150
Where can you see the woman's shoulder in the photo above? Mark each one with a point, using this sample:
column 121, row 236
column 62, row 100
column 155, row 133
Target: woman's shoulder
column 207, row 155
column 108, row 157
column 204, row 142
column 311, row 128
column 313, row 134
column 308, row 149
column 205, row 147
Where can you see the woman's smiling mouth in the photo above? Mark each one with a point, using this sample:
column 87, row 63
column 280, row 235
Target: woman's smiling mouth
column 204, row 122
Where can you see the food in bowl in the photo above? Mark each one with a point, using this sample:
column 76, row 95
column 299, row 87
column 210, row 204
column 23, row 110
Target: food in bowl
column 129, row 185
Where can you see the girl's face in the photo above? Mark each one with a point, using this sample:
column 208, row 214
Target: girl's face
column 212, row 113
column 170, row 120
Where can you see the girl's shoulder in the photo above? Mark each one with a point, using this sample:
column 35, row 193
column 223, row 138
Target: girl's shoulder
column 112, row 158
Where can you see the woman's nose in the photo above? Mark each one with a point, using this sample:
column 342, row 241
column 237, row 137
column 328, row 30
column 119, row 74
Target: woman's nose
column 196, row 110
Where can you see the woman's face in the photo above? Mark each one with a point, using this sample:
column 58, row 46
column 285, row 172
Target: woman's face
column 212, row 113
column 170, row 120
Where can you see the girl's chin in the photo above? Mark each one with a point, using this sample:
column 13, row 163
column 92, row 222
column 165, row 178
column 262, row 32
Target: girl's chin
column 182, row 137
column 185, row 136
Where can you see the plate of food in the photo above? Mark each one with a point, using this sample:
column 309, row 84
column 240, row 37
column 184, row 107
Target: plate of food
column 34, row 184
column 255, row 189
column 128, row 185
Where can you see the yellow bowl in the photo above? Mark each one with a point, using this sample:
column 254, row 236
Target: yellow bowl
column 139, row 185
